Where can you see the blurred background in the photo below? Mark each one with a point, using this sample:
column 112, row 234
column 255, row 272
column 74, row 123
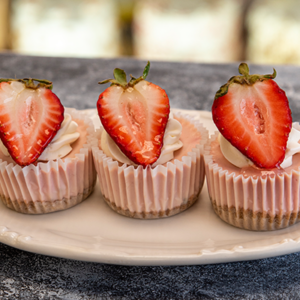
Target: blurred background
column 210, row 31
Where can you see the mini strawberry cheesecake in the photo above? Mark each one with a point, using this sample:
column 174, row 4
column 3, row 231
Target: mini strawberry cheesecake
column 46, row 161
column 149, row 161
column 252, row 164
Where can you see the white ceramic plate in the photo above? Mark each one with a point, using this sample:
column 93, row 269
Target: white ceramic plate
column 91, row 231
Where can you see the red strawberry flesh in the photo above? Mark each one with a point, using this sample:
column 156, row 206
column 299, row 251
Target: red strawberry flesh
column 29, row 119
column 256, row 119
column 135, row 118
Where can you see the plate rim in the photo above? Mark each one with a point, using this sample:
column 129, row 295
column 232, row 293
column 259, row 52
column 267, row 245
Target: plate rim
column 12, row 238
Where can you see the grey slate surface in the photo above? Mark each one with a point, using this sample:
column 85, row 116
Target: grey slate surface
column 26, row 275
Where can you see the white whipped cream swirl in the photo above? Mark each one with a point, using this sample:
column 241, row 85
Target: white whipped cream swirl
column 171, row 143
column 60, row 146
column 235, row 157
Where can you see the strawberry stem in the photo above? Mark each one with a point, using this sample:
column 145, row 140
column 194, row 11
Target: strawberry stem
column 245, row 78
column 121, row 79
column 120, row 76
column 244, row 69
column 29, row 82
column 146, row 70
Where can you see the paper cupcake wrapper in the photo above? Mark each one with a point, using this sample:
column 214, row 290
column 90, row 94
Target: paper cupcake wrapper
column 152, row 192
column 51, row 186
column 263, row 203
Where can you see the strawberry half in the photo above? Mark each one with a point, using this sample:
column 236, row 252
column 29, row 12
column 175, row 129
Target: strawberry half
column 30, row 116
column 135, row 115
column 253, row 114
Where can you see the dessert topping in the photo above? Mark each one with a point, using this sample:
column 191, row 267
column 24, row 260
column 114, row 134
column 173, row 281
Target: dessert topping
column 234, row 156
column 60, row 146
column 171, row 143
column 30, row 116
column 253, row 114
column 135, row 115
column 292, row 147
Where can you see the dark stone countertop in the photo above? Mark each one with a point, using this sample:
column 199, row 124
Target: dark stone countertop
column 25, row 275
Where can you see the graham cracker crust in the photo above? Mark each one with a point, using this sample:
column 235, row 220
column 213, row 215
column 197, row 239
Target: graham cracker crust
column 43, row 207
column 258, row 221
column 153, row 214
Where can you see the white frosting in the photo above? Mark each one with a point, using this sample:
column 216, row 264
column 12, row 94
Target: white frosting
column 235, row 157
column 171, row 143
column 232, row 154
column 292, row 147
column 60, row 146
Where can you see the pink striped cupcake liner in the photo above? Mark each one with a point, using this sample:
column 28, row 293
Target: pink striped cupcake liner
column 151, row 193
column 268, row 201
column 53, row 185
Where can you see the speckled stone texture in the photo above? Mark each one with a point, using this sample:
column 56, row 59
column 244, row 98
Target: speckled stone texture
column 26, row 275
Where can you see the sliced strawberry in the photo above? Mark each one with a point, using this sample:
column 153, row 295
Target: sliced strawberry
column 253, row 114
column 135, row 115
column 30, row 116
